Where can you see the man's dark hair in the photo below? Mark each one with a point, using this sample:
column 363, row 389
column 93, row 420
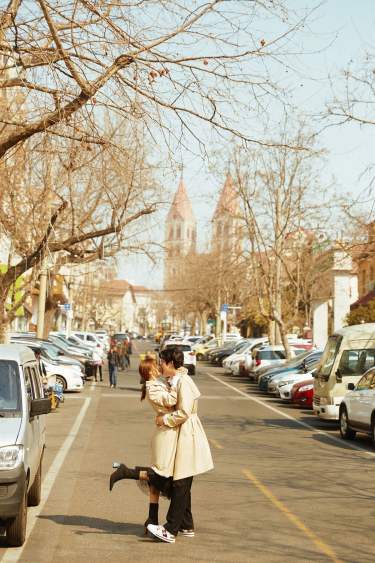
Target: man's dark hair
column 174, row 355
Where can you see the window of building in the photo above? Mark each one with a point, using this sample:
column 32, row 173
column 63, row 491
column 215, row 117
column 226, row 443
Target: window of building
column 178, row 235
column 170, row 236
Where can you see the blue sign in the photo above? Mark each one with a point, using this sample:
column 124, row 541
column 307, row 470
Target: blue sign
column 224, row 308
column 67, row 306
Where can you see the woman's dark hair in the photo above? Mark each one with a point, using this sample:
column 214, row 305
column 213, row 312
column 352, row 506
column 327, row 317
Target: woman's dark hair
column 173, row 355
column 146, row 367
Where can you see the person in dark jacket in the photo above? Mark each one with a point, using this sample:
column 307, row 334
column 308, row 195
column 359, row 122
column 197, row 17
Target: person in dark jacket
column 113, row 363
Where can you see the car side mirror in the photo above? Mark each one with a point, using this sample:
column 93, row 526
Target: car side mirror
column 338, row 376
column 351, row 386
column 39, row 406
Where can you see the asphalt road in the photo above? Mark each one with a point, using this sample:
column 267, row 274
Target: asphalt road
column 285, row 487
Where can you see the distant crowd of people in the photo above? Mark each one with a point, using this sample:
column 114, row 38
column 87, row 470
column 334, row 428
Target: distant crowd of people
column 118, row 359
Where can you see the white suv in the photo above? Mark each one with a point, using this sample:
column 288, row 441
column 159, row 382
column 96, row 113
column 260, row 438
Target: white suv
column 190, row 359
column 357, row 410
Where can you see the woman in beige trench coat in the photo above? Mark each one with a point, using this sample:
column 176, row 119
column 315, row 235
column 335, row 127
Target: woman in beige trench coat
column 157, row 478
column 193, row 455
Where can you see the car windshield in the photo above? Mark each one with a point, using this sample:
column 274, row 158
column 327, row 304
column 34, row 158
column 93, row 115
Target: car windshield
column 329, row 355
column 241, row 346
column 52, row 350
column 10, row 393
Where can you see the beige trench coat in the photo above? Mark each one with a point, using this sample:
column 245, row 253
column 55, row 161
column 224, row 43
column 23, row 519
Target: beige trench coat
column 193, row 455
column 164, row 439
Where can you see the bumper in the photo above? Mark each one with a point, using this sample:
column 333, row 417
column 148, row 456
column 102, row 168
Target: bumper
column 12, row 490
column 327, row 412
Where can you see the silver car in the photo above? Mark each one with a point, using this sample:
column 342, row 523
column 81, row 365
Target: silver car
column 22, row 438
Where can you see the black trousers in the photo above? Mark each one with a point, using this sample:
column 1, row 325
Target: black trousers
column 179, row 516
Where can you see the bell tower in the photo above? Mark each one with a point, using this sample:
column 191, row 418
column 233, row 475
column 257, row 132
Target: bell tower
column 180, row 236
column 226, row 222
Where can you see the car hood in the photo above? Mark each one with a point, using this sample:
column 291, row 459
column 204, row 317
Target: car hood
column 9, row 430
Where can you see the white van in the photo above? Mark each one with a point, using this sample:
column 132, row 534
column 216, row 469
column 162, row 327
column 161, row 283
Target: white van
column 347, row 355
column 22, row 438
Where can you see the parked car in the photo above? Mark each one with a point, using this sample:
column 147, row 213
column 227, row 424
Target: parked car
column 285, row 386
column 234, row 362
column 201, row 349
column 302, row 393
column 267, row 356
column 90, row 339
column 348, row 354
column 22, row 438
column 308, row 363
column 68, row 375
column 228, row 349
column 295, row 365
column 357, row 410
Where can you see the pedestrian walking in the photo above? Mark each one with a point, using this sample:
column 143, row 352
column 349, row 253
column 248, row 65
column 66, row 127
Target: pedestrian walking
column 113, row 362
column 126, row 354
column 98, row 361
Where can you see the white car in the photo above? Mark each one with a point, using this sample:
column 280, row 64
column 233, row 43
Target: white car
column 232, row 363
column 190, row 359
column 267, row 356
column 70, row 377
column 357, row 409
column 284, row 386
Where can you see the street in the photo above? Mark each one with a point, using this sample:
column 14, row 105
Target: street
column 284, row 488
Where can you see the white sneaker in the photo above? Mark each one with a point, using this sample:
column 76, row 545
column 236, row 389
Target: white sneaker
column 161, row 533
column 187, row 533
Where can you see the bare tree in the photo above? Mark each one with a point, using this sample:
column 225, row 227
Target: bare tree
column 278, row 188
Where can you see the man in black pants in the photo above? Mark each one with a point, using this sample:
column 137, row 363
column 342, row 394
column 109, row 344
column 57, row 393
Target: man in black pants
column 193, row 454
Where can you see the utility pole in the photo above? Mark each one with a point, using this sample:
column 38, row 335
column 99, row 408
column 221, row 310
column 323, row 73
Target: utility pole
column 42, row 300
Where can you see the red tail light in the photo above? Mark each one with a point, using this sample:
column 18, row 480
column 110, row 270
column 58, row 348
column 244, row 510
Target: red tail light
column 258, row 361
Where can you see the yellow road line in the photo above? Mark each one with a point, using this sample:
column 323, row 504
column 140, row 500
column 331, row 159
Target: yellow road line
column 322, row 546
column 216, row 444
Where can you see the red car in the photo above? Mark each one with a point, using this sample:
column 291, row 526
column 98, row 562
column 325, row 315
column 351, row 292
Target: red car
column 302, row 393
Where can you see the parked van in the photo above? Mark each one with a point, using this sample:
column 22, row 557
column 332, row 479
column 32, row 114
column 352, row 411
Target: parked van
column 347, row 355
column 22, row 438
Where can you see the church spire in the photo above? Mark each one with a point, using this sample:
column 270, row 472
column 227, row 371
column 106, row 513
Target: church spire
column 228, row 200
column 181, row 207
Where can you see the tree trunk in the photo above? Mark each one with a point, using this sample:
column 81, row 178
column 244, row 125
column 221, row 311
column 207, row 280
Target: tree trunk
column 4, row 324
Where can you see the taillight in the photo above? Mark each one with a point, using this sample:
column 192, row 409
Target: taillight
column 258, row 361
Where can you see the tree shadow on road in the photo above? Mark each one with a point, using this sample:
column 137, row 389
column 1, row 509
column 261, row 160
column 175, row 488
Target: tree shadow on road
column 97, row 525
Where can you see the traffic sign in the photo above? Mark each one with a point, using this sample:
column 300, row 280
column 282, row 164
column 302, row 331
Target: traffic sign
column 224, row 308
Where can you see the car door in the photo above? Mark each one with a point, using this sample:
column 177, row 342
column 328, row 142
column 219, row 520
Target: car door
column 367, row 400
column 31, row 441
column 38, row 394
column 355, row 400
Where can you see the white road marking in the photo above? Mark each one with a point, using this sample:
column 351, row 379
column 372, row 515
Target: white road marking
column 299, row 422
column 14, row 554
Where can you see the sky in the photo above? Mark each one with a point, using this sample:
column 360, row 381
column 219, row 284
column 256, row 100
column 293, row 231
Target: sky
column 340, row 31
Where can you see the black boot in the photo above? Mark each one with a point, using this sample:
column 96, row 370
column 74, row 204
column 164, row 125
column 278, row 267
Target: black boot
column 122, row 472
column 153, row 515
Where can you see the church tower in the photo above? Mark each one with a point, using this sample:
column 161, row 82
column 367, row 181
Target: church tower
column 226, row 222
column 180, row 236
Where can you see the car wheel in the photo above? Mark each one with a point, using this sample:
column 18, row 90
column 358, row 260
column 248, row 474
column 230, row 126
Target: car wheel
column 61, row 381
column 35, row 492
column 199, row 357
column 16, row 528
column 372, row 429
column 346, row 432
